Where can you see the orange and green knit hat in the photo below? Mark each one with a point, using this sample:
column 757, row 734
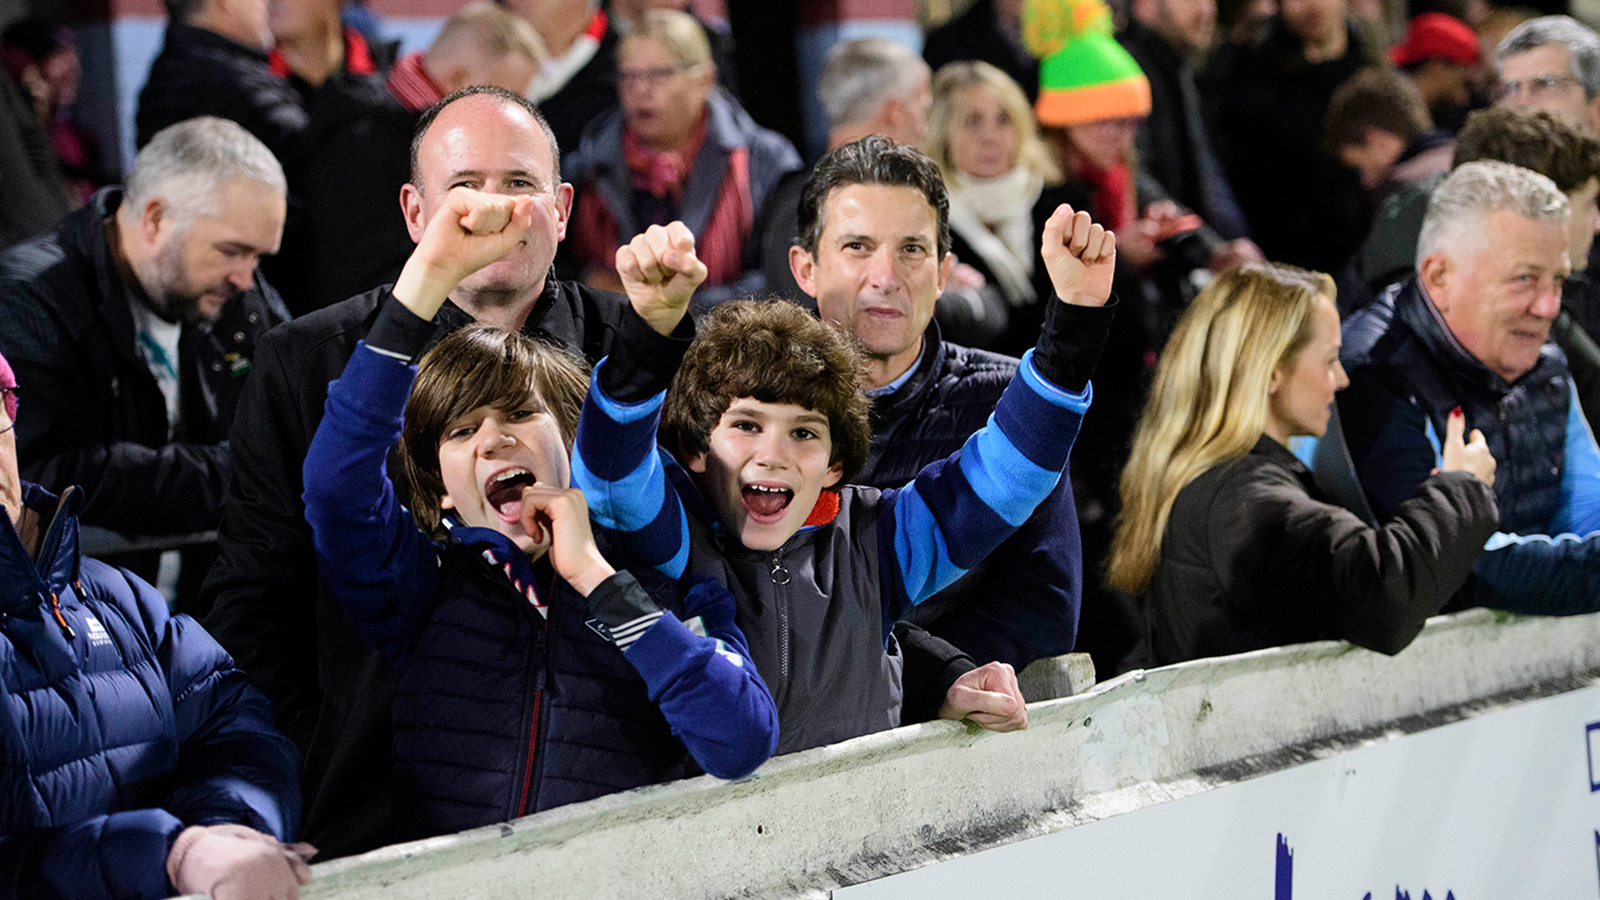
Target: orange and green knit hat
column 1084, row 74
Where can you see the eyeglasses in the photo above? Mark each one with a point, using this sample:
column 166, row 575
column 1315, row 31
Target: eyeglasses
column 8, row 408
column 652, row 77
column 1542, row 86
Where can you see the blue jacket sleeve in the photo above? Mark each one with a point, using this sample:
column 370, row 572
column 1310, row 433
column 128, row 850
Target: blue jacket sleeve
column 383, row 570
column 232, row 767
column 1580, row 476
column 118, row 855
column 960, row 508
column 622, row 473
column 701, row 676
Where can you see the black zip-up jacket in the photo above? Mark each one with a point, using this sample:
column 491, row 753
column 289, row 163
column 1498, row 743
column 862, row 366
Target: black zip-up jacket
column 202, row 73
column 1256, row 556
column 96, row 416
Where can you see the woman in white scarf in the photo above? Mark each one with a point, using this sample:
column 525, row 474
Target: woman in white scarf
column 982, row 134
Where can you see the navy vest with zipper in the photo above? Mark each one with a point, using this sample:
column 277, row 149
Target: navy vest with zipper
column 494, row 720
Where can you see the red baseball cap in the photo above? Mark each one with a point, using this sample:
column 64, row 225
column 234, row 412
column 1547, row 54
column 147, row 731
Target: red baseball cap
column 1437, row 35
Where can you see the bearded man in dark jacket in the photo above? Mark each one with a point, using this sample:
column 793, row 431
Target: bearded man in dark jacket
column 134, row 323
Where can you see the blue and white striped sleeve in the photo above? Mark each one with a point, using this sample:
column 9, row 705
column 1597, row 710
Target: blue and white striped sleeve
column 960, row 508
column 622, row 473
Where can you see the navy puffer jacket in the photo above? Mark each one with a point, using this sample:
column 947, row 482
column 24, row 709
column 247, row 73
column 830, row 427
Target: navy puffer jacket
column 119, row 726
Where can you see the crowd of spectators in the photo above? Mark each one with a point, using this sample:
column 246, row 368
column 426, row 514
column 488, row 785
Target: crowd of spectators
column 319, row 360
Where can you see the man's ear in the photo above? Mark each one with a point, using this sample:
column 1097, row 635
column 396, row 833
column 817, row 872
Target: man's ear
column 804, row 268
column 411, row 208
column 835, row 473
column 563, row 210
column 153, row 216
column 1437, row 273
column 945, row 265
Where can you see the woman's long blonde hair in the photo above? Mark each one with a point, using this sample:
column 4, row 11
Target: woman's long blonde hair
column 949, row 86
column 1209, row 401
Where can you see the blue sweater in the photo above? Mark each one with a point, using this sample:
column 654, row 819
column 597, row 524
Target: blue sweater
column 120, row 726
column 480, row 674
column 820, row 633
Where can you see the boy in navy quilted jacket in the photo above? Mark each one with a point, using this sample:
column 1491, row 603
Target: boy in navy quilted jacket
column 765, row 419
column 529, row 673
column 137, row 761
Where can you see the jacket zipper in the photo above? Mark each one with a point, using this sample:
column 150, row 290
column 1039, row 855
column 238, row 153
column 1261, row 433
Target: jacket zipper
column 533, row 741
column 61, row 619
column 780, row 576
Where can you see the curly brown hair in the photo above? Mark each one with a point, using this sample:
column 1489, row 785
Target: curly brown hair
column 775, row 352
column 473, row 367
column 1533, row 139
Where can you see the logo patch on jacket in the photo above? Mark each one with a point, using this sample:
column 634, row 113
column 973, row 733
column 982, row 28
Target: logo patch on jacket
column 98, row 636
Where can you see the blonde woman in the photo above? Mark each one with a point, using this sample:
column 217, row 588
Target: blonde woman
column 982, row 134
column 1222, row 529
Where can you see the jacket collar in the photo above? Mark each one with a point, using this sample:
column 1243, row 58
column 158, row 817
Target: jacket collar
column 22, row 578
column 887, row 406
column 181, row 34
column 1415, row 308
column 84, row 231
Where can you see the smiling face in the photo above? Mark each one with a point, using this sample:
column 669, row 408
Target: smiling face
column 877, row 271
column 190, row 266
column 487, row 456
column 1301, row 392
column 983, row 139
column 1500, row 300
column 766, row 466
column 492, row 145
column 662, row 100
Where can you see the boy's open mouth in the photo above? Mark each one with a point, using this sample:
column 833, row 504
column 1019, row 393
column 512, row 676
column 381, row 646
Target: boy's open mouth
column 766, row 501
column 504, row 492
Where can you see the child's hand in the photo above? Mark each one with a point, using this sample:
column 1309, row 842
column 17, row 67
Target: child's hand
column 660, row 273
column 989, row 696
column 559, row 518
column 471, row 230
column 1080, row 257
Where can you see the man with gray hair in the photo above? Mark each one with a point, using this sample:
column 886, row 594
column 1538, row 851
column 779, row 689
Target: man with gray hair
column 1552, row 63
column 1468, row 331
column 132, row 326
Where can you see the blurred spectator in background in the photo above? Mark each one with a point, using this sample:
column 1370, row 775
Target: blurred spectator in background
column 579, row 81
column 310, row 42
column 989, row 31
column 36, row 195
column 1378, row 126
column 1002, row 183
column 625, row 16
column 1224, row 531
column 1440, row 54
column 361, row 151
column 134, row 325
column 214, row 63
column 677, row 148
column 1272, row 98
column 1552, row 63
column 41, row 56
column 1166, row 38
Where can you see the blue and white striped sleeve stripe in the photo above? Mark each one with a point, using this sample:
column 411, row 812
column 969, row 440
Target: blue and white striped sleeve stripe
column 959, row 509
column 621, row 471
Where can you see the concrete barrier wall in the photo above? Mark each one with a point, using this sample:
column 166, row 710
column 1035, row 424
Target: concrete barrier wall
column 887, row 803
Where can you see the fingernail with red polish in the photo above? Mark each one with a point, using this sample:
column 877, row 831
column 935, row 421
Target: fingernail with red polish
column 1456, row 411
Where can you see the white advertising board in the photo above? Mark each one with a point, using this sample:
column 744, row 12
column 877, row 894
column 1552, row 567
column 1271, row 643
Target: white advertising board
column 1501, row 806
